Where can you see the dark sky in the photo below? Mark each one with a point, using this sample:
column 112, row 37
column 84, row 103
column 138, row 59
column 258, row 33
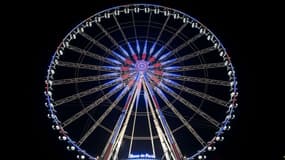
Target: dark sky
column 254, row 134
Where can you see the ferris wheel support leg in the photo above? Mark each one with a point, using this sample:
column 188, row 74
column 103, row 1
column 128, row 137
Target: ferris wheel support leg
column 123, row 130
column 107, row 152
column 175, row 151
column 164, row 144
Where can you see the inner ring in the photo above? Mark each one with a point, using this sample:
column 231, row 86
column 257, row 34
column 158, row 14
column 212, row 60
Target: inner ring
column 141, row 66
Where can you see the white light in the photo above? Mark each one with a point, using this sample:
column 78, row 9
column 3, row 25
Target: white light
column 56, row 61
column 209, row 37
column 81, row 29
column 193, row 25
column 62, row 138
column 72, row 148
column 218, row 138
column 156, row 10
column 185, row 20
column 68, row 148
column 225, row 128
column 167, row 13
column 228, row 117
column 106, row 15
column 222, row 54
column 210, row 148
column 146, row 10
column 48, row 93
column 82, row 156
column 136, row 10
column 204, row 156
column 117, row 12
column 52, row 71
column 175, row 16
column 200, row 157
column 65, row 44
column 126, row 10
column 89, row 24
column 232, row 83
column 233, row 116
column 73, row 36
column 60, row 52
column 226, row 63
column 230, row 73
column 233, row 94
column 51, row 116
column 55, row 127
column 97, row 19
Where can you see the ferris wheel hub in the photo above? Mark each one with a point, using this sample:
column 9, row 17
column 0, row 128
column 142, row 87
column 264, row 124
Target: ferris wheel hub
column 141, row 66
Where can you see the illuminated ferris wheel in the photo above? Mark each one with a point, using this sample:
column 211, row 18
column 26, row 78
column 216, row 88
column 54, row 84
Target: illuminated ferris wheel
column 141, row 81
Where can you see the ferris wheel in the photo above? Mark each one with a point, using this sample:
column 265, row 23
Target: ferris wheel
column 141, row 81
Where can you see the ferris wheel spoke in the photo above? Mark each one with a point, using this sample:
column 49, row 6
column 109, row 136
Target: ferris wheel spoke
column 94, row 55
column 189, row 105
column 86, row 79
column 193, row 67
column 114, row 42
column 136, row 36
column 157, row 54
column 196, row 79
column 196, row 93
column 143, row 56
column 92, row 106
column 124, row 35
column 176, row 50
column 180, row 116
column 87, row 92
column 103, row 47
column 103, row 116
column 159, row 35
column 88, row 66
column 188, row 56
column 175, row 35
column 195, row 54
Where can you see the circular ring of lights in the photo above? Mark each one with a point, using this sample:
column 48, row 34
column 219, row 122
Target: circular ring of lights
column 141, row 81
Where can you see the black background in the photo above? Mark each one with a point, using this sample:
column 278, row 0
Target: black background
column 244, row 29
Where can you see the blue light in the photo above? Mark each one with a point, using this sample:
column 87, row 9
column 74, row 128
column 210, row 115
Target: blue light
column 118, row 55
column 169, row 61
column 113, row 61
column 124, row 51
column 165, row 55
column 131, row 48
column 158, row 52
column 138, row 46
column 145, row 47
column 152, row 48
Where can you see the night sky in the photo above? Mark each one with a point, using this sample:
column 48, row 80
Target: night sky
column 255, row 133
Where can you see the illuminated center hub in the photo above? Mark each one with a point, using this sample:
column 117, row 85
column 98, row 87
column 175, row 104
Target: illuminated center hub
column 141, row 66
